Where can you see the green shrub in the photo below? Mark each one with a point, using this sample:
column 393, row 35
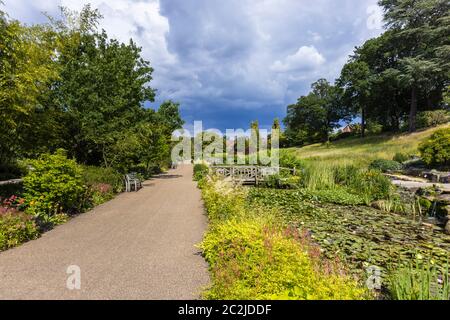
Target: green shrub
column 386, row 165
column 289, row 160
column 425, row 282
column 401, row 157
column 54, row 185
column 251, row 260
column 94, row 176
column 280, row 181
column 436, row 150
column 434, row 118
column 16, row 228
column 200, row 171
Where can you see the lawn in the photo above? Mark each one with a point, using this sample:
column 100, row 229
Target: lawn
column 357, row 150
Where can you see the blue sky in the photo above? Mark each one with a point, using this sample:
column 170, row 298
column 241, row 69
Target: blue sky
column 234, row 61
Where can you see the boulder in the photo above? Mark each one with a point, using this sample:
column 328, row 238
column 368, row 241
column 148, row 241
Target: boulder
column 447, row 228
column 379, row 204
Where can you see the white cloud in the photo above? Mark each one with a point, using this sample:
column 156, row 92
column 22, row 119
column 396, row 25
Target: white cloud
column 306, row 58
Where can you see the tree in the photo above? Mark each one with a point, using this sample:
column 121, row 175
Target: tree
column 27, row 69
column 417, row 74
column 314, row 117
column 355, row 80
column 422, row 28
column 169, row 115
column 102, row 88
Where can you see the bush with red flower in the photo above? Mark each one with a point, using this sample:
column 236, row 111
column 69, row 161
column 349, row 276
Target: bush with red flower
column 16, row 227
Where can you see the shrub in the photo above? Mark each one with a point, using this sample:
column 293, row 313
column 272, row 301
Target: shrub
column 290, row 160
column 428, row 119
column 251, row 260
column 98, row 176
column 401, row 157
column 386, row 165
column 16, row 228
column 436, row 150
column 222, row 201
column 280, row 181
column 54, row 185
column 200, row 171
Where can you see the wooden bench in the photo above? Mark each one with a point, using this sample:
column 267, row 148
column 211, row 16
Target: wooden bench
column 132, row 180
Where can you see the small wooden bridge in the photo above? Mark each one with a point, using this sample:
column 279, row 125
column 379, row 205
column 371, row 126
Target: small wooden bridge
column 248, row 174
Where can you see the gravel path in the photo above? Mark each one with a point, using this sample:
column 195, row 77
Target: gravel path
column 137, row 246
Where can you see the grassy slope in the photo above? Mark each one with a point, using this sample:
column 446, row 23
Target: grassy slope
column 362, row 151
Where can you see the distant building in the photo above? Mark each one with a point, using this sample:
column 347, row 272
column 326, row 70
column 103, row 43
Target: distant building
column 347, row 129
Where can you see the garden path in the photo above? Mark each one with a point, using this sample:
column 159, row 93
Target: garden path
column 138, row 246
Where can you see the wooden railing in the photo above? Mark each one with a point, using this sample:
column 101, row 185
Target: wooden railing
column 248, row 174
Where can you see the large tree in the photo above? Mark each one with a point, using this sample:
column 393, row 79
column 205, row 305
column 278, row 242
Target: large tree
column 422, row 28
column 315, row 115
column 102, row 87
column 27, row 69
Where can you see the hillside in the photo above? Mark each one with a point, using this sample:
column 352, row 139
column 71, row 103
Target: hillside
column 362, row 151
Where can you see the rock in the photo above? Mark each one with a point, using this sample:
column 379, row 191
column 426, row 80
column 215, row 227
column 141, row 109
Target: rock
column 443, row 199
column 445, row 178
column 380, row 204
column 447, row 228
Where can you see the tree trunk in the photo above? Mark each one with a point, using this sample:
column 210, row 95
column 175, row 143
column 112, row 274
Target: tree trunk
column 413, row 110
column 363, row 122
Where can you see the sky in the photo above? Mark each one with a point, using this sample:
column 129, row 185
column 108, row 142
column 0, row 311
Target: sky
column 230, row 62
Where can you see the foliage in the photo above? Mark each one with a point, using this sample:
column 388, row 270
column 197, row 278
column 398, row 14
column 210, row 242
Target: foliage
column 54, row 185
column 436, row 150
column 289, row 160
column 314, row 116
column 434, row 118
column 96, row 176
column 386, row 165
column 420, row 282
column 200, row 171
column 402, row 157
column 282, row 181
column 26, row 70
column 251, row 260
column 15, row 228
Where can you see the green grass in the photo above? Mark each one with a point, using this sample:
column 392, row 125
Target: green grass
column 359, row 151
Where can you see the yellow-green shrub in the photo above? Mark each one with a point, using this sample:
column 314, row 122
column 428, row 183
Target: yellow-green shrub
column 255, row 260
column 436, row 150
column 54, row 185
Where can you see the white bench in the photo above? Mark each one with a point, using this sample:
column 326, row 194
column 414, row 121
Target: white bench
column 132, row 180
